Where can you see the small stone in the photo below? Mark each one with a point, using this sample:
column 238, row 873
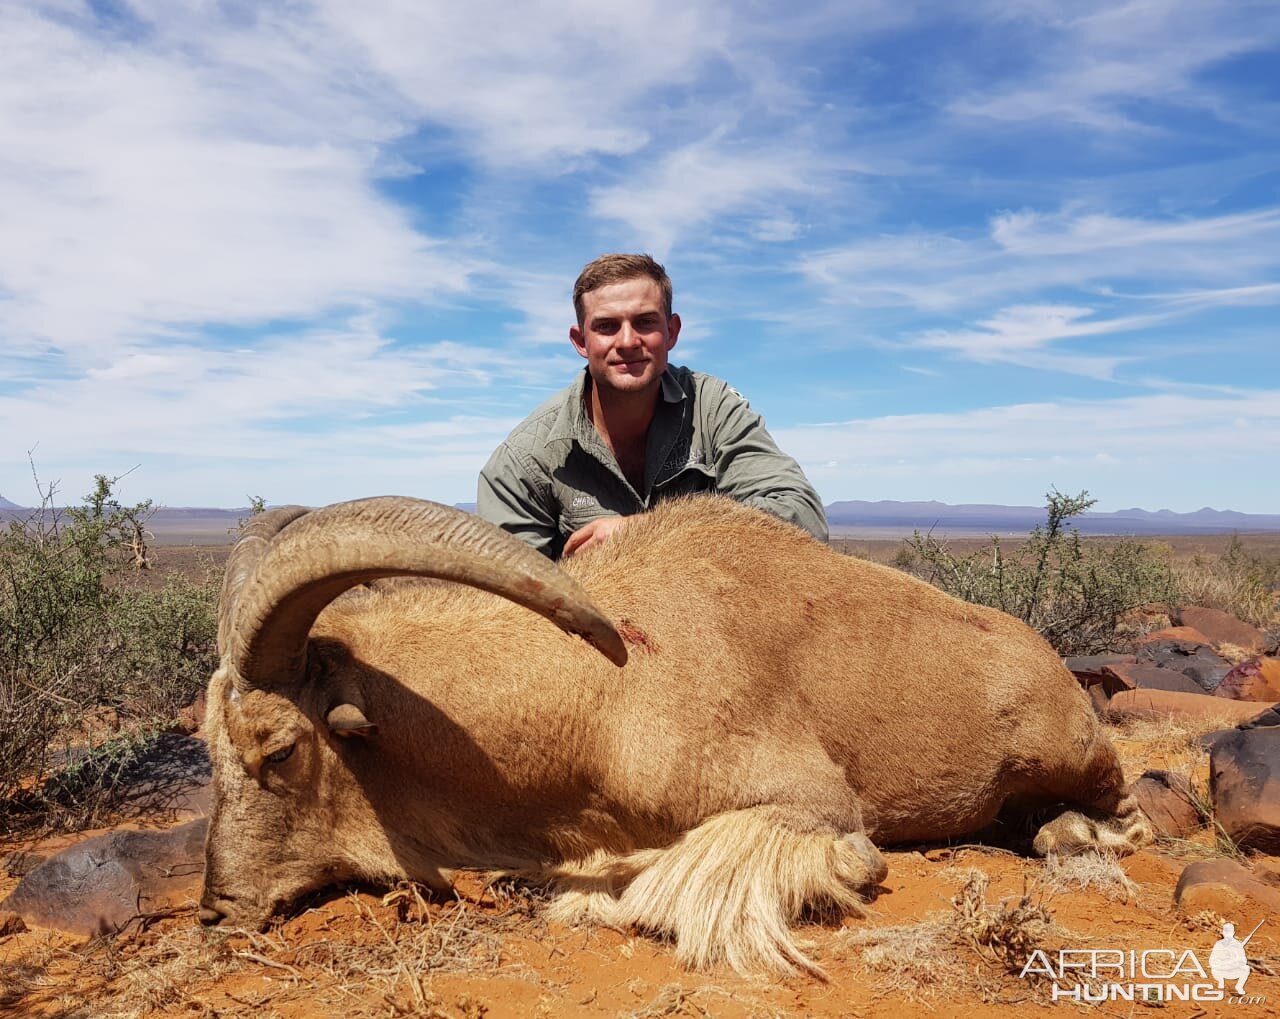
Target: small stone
column 1244, row 781
column 191, row 717
column 1222, row 627
column 1166, row 800
column 10, row 923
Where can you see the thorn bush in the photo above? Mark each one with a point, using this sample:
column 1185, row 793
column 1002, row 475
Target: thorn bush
column 1072, row 594
column 76, row 648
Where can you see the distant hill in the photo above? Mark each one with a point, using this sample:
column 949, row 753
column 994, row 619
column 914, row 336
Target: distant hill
column 984, row 518
column 6, row 504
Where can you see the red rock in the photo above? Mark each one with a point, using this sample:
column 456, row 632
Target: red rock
column 10, row 923
column 1244, row 781
column 1228, row 889
column 1222, row 628
column 1198, row 707
column 1166, row 800
column 1184, row 633
column 191, row 717
column 1255, row 680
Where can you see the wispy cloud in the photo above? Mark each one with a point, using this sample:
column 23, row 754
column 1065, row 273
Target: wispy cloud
column 1096, row 64
column 1022, row 334
column 1028, row 251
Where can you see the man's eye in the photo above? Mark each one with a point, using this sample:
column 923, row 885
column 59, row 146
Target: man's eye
column 282, row 755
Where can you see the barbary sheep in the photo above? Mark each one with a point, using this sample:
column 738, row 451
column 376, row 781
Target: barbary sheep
column 759, row 712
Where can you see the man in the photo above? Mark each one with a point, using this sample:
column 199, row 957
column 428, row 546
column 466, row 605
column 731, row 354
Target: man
column 632, row 431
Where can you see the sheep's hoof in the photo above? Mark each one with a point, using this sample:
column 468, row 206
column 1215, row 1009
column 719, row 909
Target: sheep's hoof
column 876, row 867
column 1073, row 832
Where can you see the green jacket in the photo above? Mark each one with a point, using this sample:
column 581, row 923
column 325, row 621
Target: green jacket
column 554, row 474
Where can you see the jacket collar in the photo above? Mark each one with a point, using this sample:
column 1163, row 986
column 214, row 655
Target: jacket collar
column 572, row 422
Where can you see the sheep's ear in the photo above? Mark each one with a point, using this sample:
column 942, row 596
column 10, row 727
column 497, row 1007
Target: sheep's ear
column 347, row 720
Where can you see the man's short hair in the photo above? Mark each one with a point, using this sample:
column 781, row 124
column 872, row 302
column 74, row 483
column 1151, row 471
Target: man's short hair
column 619, row 269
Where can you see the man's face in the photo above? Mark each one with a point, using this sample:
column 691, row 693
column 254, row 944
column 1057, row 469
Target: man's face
column 625, row 335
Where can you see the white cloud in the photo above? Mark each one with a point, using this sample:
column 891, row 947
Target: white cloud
column 686, row 189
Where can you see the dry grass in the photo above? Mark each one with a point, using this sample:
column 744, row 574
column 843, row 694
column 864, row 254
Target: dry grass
column 1241, row 585
column 1099, row 872
column 375, row 963
column 1169, row 744
column 973, row 949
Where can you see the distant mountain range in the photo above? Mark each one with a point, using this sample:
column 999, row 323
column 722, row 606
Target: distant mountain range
column 977, row 517
column 181, row 523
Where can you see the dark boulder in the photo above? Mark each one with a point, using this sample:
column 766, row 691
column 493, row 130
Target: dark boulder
column 1244, row 781
column 99, row 885
column 1148, row 676
column 1197, row 660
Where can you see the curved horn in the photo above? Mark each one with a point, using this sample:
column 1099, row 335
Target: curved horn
column 255, row 536
column 330, row 550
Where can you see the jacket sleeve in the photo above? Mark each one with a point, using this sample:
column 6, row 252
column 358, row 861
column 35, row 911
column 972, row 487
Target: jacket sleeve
column 512, row 494
column 751, row 468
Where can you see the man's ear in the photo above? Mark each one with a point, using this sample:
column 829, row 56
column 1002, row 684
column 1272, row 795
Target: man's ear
column 578, row 340
column 673, row 330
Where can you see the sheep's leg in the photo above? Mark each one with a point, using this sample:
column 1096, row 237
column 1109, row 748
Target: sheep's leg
column 1110, row 821
column 728, row 890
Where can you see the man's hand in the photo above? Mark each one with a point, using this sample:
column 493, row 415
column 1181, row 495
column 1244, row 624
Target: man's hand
column 595, row 533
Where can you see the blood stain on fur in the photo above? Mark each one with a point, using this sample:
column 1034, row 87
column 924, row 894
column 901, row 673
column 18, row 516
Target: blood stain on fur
column 632, row 634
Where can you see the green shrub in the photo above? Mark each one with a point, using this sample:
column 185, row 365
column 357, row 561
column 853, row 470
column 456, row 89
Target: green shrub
column 77, row 649
column 1073, row 594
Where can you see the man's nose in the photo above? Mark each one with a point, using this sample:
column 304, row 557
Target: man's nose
column 627, row 336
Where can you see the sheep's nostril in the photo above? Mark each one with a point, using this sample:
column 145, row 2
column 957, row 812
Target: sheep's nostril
column 210, row 912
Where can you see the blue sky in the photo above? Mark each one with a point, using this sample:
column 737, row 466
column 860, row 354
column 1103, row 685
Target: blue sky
column 319, row 250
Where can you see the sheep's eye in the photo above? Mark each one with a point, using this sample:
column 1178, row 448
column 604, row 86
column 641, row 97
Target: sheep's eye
column 281, row 755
